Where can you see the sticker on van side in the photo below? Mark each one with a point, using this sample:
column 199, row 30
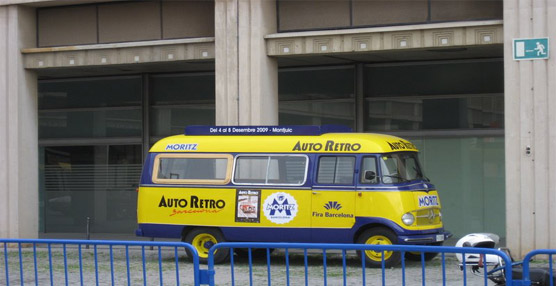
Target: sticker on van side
column 280, row 208
column 193, row 205
column 247, row 206
column 332, row 211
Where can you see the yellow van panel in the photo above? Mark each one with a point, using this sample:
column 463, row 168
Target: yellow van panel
column 392, row 205
column 224, row 207
column 230, row 207
column 332, row 209
column 326, row 143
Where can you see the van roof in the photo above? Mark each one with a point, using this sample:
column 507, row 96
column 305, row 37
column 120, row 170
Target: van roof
column 324, row 143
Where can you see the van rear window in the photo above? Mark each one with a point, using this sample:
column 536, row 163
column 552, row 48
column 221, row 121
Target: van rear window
column 270, row 170
column 192, row 169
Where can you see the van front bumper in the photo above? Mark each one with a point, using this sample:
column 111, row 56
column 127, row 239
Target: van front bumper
column 433, row 238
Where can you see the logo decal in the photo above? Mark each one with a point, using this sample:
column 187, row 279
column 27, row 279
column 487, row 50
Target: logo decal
column 333, row 205
column 181, row 147
column 193, row 205
column 401, row 145
column 428, row 201
column 332, row 212
column 329, row 146
column 280, row 208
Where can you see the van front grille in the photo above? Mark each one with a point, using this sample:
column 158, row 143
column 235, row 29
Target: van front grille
column 429, row 216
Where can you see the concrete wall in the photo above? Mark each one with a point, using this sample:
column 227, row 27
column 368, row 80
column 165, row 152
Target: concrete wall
column 530, row 106
column 322, row 14
column 18, row 126
column 124, row 22
column 246, row 78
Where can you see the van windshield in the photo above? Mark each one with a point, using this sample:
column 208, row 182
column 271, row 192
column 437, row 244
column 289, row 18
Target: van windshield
column 400, row 167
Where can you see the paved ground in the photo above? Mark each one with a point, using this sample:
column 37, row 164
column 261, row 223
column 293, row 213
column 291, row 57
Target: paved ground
column 242, row 274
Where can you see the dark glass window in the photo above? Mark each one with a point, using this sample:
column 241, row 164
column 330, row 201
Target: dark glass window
column 102, row 121
column 90, row 108
column 181, row 100
column 90, row 92
column 317, row 96
column 96, row 182
column 466, row 95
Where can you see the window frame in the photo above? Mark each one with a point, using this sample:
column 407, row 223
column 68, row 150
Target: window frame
column 269, row 156
column 226, row 180
column 362, row 170
column 317, row 169
column 400, row 167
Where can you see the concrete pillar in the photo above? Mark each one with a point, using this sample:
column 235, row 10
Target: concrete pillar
column 246, row 78
column 530, row 119
column 18, row 126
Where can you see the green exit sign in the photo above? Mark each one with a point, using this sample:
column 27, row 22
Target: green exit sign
column 531, row 49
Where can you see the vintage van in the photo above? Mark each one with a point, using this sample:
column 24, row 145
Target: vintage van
column 288, row 184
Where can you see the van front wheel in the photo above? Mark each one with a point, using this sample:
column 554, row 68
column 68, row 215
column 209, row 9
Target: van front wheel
column 379, row 236
column 416, row 256
column 202, row 239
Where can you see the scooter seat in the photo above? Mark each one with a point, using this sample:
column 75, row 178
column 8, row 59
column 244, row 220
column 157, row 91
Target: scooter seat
column 537, row 275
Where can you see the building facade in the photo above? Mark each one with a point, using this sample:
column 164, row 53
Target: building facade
column 88, row 86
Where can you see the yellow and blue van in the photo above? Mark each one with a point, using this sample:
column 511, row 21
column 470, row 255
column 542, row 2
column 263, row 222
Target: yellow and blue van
column 320, row 184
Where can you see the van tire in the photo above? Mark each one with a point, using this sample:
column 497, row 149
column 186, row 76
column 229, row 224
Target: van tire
column 202, row 239
column 256, row 253
column 416, row 256
column 379, row 236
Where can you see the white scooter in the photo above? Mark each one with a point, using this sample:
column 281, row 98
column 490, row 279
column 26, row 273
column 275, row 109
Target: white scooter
column 494, row 264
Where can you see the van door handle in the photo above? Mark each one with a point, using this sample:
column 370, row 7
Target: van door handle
column 315, row 193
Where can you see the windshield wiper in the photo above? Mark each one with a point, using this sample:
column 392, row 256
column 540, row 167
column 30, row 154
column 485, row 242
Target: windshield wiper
column 420, row 174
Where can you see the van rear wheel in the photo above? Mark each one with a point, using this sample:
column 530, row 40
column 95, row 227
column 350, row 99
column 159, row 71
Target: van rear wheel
column 379, row 236
column 202, row 239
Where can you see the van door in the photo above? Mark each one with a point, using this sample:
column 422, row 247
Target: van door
column 333, row 199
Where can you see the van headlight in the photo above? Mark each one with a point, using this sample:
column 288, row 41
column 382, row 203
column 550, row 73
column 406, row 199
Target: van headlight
column 408, row 219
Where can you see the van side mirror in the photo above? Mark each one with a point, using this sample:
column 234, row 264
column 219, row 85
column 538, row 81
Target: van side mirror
column 370, row 175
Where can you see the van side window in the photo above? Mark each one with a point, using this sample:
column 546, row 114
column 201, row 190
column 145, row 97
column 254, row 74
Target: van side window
column 336, row 170
column 369, row 174
column 270, row 170
column 192, row 169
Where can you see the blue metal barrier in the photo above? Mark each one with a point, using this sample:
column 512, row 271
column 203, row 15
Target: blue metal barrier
column 33, row 262
column 526, row 280
column 401, row 278
column 93, row 262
